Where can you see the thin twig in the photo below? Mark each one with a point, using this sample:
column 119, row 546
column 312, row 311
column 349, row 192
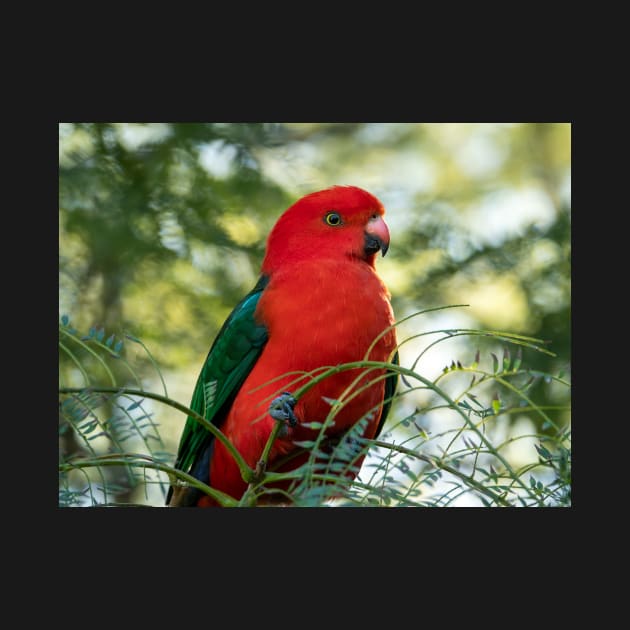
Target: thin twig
column 246, row 472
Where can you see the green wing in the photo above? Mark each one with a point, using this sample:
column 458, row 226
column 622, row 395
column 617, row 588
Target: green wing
column 391, row 382
column 230, row 359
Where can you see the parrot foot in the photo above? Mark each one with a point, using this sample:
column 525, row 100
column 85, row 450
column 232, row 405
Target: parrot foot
column 281, row 409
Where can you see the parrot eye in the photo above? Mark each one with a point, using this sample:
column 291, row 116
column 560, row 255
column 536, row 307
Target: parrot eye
column 333, row 218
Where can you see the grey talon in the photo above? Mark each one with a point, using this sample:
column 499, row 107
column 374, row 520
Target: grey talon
column 281, row 409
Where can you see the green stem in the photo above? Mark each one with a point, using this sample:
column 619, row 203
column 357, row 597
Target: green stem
column 76, row 361
column 153, row 361
column 94, row 354
column 445, row 467
column 450, row 333
column 122, row 459
column 120, row 358
column 260, row 474
column 439, row 391
column 246, row 472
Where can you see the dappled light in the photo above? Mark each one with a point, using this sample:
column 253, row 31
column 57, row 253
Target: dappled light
column 162, row 230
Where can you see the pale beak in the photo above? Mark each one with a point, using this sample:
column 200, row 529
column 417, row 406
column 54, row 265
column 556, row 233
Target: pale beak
column 376, row 236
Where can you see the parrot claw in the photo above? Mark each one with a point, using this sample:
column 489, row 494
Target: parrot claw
column 281, row 409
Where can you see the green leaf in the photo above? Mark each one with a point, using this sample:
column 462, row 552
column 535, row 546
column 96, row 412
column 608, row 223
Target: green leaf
column 495, row 363
column 496, row 404
column 134, row 405
column 493, row 474
column 542, row 451
column 110, row 341
column 330, row 401
column 305, row 444
column 118, row 347
column 64, row 320
column 313, row 425
column 475, row 363
column 506, row 360
column 518, row 360
column 88, row 427
column 468, row 443
column 421, row 431
column 97, row 435
column 100, row 334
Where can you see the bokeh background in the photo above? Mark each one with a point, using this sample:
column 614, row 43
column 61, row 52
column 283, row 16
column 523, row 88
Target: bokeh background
column 162, row 230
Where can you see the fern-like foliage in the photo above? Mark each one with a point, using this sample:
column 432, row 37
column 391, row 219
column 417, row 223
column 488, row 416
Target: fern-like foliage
column 100, row 421
column 453, row 448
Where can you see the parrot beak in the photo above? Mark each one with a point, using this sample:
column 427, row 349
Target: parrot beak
column 376, row 236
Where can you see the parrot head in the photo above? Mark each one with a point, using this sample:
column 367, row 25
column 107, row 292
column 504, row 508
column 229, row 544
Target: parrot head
column 339, row 222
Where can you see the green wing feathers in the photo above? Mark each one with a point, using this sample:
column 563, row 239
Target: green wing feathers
column 230, row 359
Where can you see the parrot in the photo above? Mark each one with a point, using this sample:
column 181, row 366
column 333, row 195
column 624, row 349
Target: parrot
column 318, row 303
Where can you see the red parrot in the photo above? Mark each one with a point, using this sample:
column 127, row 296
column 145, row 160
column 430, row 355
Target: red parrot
column 318, row 302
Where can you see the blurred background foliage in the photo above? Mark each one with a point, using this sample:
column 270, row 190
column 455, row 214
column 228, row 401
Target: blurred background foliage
column 162, row 229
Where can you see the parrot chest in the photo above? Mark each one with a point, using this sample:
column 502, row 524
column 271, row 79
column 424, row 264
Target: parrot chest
column 327, row 315
column 316, row 317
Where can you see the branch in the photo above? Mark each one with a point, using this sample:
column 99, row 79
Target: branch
column 131, row 459
column 246, row 472
column 434, row 461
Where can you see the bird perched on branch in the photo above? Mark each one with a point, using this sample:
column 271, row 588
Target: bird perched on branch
column 318, row 303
